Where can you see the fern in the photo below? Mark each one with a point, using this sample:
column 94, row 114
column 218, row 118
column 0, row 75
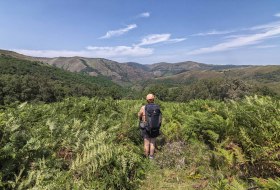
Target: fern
column 268, row 184
column 83, row 143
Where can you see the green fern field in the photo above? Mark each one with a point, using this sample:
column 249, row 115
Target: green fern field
column 82, row 143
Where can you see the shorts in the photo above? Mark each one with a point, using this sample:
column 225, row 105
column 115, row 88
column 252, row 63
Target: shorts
column 146, row 134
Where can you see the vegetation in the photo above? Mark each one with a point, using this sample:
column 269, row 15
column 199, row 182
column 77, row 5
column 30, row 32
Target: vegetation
column 214, row 89
column 83, row 143
column 75, row 144
column 22, row 80
column 219, row 133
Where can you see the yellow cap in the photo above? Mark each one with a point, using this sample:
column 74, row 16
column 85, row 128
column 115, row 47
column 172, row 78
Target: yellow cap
column 150, row 97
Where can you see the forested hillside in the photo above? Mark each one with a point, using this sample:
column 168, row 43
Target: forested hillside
column 83, row 143
column 180, row 82
column 23, row 80
column 209, row 88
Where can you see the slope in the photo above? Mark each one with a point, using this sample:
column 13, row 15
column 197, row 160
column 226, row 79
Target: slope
column 23, row 80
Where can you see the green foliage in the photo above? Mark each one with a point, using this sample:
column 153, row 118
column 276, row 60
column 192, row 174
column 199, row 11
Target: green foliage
column 82, row 143
column 22, row 80
column 268, row 184
column 71, row 145
column 215, row 89
column 243, row 135
column 229, row 184
column 268, row 76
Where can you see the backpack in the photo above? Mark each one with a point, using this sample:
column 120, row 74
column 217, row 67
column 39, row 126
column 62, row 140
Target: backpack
column 153, row 119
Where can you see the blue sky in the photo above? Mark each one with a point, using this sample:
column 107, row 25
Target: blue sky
column 145, row 31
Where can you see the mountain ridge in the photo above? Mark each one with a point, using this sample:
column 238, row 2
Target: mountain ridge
column 142, row 77
column 122, row 73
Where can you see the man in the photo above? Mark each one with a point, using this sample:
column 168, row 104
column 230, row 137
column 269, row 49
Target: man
column 146, row 120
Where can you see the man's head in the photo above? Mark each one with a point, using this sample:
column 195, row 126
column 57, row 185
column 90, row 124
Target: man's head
column 150, row 98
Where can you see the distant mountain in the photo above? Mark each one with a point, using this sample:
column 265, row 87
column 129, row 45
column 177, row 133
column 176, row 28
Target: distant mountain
column 169, row 69
column 132, row 73
column 45, row 79
column 121, row 73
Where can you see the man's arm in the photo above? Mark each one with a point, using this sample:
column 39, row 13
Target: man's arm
column 141, row 113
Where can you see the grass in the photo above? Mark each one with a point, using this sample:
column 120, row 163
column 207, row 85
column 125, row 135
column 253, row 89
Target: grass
column 167, row 179
column 180, row 166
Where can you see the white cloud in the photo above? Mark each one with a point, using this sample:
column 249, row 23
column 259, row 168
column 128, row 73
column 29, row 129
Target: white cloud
column 51, row 53
column 277, row 15
column 132, row 51
column 158, row 38
column 144, row 15
column 154, row 38
column 235, row 36
column 213, row 32
column 267, row 31
column 265, row 46
column 116, row 52
column 118, row 32
column 266, row 27
column 175, row 40
column 91, row 51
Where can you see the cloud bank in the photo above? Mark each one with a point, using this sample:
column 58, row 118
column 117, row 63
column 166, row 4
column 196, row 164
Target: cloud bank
column 92, row 51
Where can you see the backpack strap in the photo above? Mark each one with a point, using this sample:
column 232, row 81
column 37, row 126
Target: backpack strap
column 146, row 113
